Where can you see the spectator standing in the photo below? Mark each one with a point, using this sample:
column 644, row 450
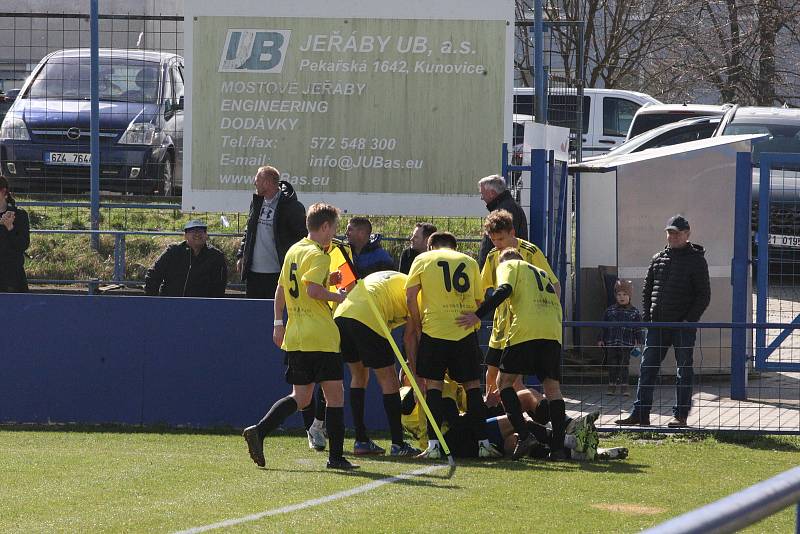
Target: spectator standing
column 191, row 268
column 496, row 195
column 676, row 289
column 15, row 238
column 618, row 341
column 419, row 243
column 368, row 254
column 277, row 220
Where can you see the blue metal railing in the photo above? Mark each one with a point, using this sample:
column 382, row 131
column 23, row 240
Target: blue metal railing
column 741, row 509
column 119, row 274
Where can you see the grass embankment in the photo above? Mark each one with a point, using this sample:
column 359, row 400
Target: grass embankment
column 69, row 257
column 110, row 481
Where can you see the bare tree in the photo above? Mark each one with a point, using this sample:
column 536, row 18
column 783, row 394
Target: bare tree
column 743, row 51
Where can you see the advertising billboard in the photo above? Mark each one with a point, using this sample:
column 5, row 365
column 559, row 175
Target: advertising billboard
column 380, row 108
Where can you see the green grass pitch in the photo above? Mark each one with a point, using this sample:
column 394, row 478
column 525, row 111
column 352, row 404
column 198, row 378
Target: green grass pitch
column 122, row 480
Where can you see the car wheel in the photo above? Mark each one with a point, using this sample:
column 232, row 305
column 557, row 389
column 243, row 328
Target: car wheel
column 166, row 178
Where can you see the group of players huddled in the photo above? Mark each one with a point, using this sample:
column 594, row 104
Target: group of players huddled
column 441, row 302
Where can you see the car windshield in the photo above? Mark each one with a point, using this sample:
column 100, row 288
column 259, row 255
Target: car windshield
column 120, row 80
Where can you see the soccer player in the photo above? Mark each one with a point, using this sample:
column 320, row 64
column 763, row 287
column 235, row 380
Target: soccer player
column 533, row 344
column 448, row 283
column 365, row 347
column 314, row 414
column 310, row 337
column 499, row 226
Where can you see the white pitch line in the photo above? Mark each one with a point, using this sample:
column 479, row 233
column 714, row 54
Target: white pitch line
column 313, row 502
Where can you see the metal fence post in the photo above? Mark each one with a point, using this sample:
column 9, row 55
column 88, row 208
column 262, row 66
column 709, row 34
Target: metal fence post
column 741, row 253
column 94, row 142
column 538, row 199
column 119, row 257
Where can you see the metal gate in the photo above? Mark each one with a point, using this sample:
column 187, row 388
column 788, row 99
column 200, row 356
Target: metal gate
column 777, row 252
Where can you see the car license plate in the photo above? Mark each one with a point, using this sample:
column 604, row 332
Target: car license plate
column 791, row 241
column 67, row 158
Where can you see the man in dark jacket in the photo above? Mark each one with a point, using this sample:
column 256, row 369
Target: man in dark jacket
column 497, row 197
column 277, row 220
column 191, row 268
column 419, row 244
column 676, row 289
column 368, row 254
column 15, row 238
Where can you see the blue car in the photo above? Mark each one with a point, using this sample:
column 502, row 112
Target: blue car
column 44, row 137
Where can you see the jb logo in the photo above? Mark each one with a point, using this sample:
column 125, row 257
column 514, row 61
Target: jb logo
column 254, row 51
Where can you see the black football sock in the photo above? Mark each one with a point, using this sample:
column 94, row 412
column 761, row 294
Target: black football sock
column 542, row 412
column 357, row 410
column 514, row 411
column 276, row 415
column 335, row 425
column 558, row 419
column 540, row 432
column 391, row 403
column 308, row 414
column 476, row 411
column 319, row 409
column 434, row 399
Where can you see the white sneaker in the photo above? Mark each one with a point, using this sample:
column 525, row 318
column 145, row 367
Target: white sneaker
column 433, row 452
column 489, row 450
column 317, row 438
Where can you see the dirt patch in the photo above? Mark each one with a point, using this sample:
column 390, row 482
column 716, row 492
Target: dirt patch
column 635, row 509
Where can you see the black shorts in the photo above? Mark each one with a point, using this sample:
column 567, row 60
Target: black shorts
column 361, row 344
column 313, row 367
column 493, row 357
column 461, row 359
column 540, row 357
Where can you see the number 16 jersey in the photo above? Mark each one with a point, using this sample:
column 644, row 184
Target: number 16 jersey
column 451, row 284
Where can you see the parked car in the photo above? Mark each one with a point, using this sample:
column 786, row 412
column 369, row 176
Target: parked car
column 44, row 138
column 652, row 116
column 782, row 130
column 607, row 113
column 668, row 134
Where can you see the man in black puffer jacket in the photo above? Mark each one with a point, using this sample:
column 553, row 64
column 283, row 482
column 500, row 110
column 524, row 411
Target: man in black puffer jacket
column 676, row 289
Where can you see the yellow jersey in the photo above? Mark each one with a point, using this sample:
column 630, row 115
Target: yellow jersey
column 310, row 326
column 387, row 289
column 534, row 306
column 450, row 284
column 530, row 253
column 416, row 423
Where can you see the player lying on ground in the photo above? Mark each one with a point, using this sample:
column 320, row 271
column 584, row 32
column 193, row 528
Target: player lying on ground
column 581, row 439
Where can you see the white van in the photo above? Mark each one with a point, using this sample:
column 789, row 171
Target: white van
column 607, row 113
